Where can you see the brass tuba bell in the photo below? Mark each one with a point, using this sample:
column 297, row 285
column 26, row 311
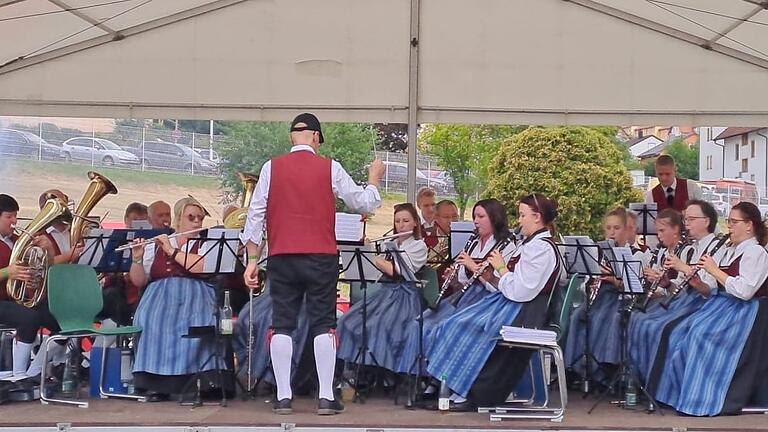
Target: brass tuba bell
column 30, row 293
column 98, row 188
column 236, row 219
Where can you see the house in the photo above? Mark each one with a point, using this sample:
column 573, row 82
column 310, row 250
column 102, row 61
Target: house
column 652, row 153
column 642, row 144
column 735, row 152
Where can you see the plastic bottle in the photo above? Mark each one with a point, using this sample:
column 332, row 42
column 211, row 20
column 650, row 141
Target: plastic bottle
column 444, row 397
column 630, row 395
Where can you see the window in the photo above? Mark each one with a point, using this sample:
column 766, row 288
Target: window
column 744, row 140
column 744, row 165
column 736, row 146
column 709, row 162
column 753, row 148
column 709, row 134
column 640, row 133
column 752, row 177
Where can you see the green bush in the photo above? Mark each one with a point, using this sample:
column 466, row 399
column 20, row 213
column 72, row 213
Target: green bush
column 579, row 167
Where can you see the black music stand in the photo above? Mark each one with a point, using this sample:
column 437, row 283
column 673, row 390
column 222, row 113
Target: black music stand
column 625, row 270
column 579, row 260
column 646, row 219
column 219, row 256
column 360, row 269
column 100, row 244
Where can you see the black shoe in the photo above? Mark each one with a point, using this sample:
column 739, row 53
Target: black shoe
column 466, row 406
column 153, row 396
column 282, row 407
column 327, row 407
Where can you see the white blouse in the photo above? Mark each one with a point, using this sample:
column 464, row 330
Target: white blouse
column 479, row 252
column 538, row 260
column 414, row 253
column 753, row 269
column 701, row 248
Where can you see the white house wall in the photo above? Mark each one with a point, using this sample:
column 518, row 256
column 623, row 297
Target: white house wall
column 756, row 165
column 709, row 148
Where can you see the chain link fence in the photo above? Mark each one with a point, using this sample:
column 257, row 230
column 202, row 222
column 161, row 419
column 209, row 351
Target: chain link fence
column 175, row 151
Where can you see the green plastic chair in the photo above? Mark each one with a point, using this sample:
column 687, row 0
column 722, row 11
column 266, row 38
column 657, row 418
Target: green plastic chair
column 567, row 307
column 431, row 288
column 74, row 299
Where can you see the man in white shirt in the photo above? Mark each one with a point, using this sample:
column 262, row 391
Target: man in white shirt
column 672, row 191
column 425, row 201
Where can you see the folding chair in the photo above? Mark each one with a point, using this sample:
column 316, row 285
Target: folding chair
column 74, row 299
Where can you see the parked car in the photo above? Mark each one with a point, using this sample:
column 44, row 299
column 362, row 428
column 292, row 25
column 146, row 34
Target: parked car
column 209, row 154
column 99, row 150
column 397, row 172
column 167, row 155
column 720, row 203
column 26, row 144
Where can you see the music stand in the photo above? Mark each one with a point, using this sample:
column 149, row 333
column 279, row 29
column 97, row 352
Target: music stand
column 582, row 256
column 100, row 244
column 218, row 254
column 646, row 219
column 627, row 269
column 357, row 266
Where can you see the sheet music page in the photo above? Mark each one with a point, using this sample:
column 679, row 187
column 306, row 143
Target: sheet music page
column 349, row 227
column 581, row 260
column 628, row 268
column 228, row 253
column 460, row 233
column 350, row 266
column 646, row 217
column 93, row 251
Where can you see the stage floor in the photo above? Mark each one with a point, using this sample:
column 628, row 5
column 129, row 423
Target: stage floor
column 376, row 415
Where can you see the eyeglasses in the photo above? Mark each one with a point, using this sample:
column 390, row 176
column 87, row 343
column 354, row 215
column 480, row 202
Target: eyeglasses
column 689, row 219
column 194, row 218
column 733, row 221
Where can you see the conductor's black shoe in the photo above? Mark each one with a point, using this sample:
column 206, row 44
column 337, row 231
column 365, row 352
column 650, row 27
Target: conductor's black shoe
column 328, row 407
column 282, row 407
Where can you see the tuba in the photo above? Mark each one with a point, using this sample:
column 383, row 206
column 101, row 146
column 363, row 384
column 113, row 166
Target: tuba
column 98, row 188
column 236, row 219
column 30, row 293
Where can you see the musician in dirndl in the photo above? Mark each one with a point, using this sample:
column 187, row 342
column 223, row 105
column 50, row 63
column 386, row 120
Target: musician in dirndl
column 176, row 298
column 604, row 318
column 715, row 358
column 491, row 227
column 464, row 351
column 393, row 306
column 648, row 331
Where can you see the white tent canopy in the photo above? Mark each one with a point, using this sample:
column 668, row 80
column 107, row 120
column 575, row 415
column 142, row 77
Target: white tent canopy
column 685, row 62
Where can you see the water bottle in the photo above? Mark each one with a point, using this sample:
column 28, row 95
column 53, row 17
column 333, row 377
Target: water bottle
column 444, row 397
column 630, row 395
column 71, row 378
column 226, row 316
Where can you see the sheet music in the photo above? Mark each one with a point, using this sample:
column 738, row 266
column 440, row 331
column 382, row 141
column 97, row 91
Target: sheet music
column 95, row 246
column 646, row 217
column 460, row 233
column 210, row 250
column 349, row 263
column 349, row 227
column 580, row 260
column 628, row 269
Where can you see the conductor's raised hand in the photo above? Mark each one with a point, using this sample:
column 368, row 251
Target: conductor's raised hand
column 251, row 275
column 375, row 172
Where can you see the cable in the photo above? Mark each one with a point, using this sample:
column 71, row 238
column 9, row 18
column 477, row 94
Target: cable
column 710, row 12
column 75, row 34
column 764, row 55
column 63, row 10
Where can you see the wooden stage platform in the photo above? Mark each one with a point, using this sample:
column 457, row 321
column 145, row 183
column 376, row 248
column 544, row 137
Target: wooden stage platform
column 377, row 415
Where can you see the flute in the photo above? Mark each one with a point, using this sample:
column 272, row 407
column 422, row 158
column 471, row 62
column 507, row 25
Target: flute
column 390, row 237
column 150, row 240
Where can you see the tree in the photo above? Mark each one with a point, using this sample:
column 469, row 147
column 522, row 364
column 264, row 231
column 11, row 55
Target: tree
column 249, row 144
column 579, row 167
column 686, row 158
column 465, row 151
column 393, row 137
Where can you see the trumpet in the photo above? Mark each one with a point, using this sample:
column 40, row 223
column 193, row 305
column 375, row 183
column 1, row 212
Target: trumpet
column 454, row 269
column 500, row 246
column 642, row 304
column 151, row 240
column 723, row 241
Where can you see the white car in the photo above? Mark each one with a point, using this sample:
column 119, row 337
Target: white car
column 720, row 203
column 98, row 150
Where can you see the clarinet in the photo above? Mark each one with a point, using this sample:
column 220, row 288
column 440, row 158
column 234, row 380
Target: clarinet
column 454, row 269
column 499, row 246
column 642, row 306
column 594, row 282
column 723, row 241
column 635, row 301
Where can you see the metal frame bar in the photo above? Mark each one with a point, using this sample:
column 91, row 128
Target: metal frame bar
column 735, row 24
column 672, row 32
column 83, row 16
column 105, row 394
column 130, row 31
column 413, row 99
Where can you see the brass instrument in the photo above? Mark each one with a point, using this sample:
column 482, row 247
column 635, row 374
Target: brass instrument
column 29, row 294
column 236, row 219
column 453, row 270
column 98, row 188
column 499, row 246
column 723, row 240
column 642, row 304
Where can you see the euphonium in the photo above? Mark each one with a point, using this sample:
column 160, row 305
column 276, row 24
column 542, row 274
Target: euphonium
column 98, row 188
column 30, row 293
column 236, row 219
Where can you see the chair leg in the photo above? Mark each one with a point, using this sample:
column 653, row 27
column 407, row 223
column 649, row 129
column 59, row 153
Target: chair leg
column 103, row 393
column 43, row 398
